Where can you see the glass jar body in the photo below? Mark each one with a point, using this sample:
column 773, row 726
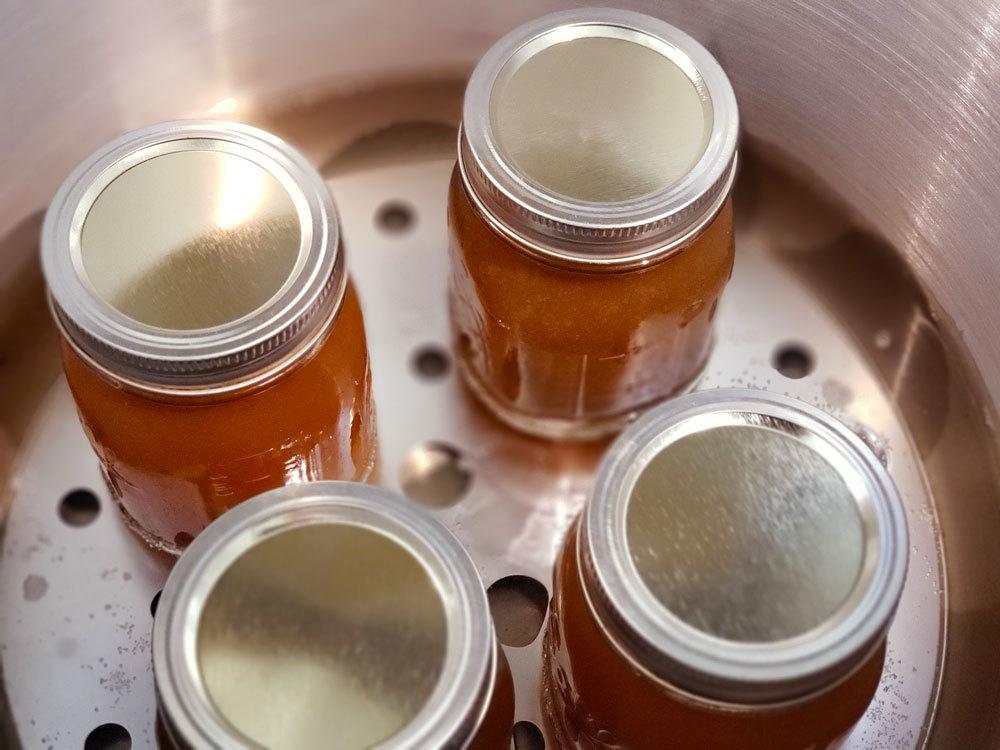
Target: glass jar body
column 572, row 353
column 173, row 463
column 594, row 698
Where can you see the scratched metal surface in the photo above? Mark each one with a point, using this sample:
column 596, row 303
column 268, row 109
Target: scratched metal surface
column 74, row 602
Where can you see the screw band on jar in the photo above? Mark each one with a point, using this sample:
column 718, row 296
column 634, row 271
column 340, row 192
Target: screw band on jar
column 339, row 587
column 590, row 220
column 163, row 208
column 741, row 556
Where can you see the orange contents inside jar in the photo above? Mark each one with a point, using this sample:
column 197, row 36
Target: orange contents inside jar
column 591, row 228
column 212, row 341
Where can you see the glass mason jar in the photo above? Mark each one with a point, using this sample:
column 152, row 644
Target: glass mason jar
column 329, row 614
column 211, row 338
column 591, row 230
column 730, row 583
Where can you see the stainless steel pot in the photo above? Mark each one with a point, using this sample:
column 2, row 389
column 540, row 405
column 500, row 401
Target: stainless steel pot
column 889, row 109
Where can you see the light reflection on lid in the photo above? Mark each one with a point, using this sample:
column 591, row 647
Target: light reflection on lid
column 191, row 239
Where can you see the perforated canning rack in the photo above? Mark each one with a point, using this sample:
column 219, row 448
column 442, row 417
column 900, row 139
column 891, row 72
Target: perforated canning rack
column 76, row 589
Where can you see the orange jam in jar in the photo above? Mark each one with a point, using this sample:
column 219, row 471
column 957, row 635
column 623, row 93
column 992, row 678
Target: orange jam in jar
column 730, row 583
column 212, row 341
column 591, row 230
column 329, row 614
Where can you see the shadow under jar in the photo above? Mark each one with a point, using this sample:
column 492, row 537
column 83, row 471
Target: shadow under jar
column 590, row 220
column 329, row 614
column 212, row 340
column 729, row 584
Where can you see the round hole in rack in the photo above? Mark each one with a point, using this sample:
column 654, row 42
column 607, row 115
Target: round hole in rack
column 518, row 604
column 394, row 217
column 527, row 736
column 79, row 507
column 108, row 737
column 435, row 475
column 182, row 539
column 155, row 602
column 431, row 362
column 793, row 360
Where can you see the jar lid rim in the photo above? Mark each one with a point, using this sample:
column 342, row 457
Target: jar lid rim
column 627, row 232
column 202, row 358
column 703, row 663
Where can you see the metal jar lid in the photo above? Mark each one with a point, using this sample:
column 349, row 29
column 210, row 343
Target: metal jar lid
column 599, row 137
column 323, row 614
column 193, row 254
column 743, row 547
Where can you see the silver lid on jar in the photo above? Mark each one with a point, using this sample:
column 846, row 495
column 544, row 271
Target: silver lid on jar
column 193, row 254
column 599, row 137
column 319, row 614
column 744, row 547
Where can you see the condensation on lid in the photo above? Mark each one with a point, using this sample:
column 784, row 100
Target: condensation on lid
column 326, row 633
column 191, row 239
column 600, row 119
column 745, row 533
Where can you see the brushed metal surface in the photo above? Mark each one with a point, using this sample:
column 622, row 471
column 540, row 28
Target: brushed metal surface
column 68, row 677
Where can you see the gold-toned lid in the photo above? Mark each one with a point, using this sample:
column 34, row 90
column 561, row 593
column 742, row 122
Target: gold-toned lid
column 327, row 631
column 600, row 118
column 746, row 533
column 743, row 546
column 324, row 614
column 193, row 255
column 598, row 137
column 191, row 239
